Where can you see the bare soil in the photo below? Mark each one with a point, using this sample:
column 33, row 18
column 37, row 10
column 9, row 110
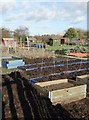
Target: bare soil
column 21, row 101
column 50, row 67
column 58, row 86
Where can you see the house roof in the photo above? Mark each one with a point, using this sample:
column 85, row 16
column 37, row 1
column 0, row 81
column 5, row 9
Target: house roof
column 54, row 38
column 75, row 40
column 32, row 38
column 8, row 38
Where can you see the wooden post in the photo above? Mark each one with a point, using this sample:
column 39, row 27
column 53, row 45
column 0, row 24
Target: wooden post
column 20, row 41
column 50, row 95
column 8, row 49
column 15, row 46
column 28, row 43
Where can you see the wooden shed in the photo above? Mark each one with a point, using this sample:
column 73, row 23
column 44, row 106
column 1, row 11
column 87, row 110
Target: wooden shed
column 8, row 42
column 64, row 40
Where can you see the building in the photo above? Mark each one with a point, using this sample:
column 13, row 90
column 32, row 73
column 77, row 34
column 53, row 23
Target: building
column 53, row 41
column 75, row 41
column 64, row 41
column 31, row 40
column 56, row 41
column 8, row 42
column 78, row 41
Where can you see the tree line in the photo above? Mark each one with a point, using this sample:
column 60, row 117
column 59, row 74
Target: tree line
column 22, row 32
column 76, row 33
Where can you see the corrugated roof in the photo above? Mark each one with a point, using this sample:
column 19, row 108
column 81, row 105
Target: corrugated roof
column 75, row 40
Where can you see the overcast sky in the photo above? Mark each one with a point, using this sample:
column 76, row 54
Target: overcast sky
column 47, row 17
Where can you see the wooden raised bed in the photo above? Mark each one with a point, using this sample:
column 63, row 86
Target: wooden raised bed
column 83, row 79
column 62, row 91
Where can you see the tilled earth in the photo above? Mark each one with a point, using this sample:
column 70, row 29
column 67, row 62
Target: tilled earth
column 55, row 68
column 50, row 59
column 21, row 101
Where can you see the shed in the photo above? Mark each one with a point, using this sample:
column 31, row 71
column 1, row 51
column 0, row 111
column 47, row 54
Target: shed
column 56, row 41
column 53, row 41
column 64, row 40
column 8, row 42
column 75, row 40
column 32, row 39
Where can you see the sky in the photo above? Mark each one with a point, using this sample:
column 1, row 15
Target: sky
column 43, row 16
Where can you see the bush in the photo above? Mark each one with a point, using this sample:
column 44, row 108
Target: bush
column 62, row 52
column 80, row 49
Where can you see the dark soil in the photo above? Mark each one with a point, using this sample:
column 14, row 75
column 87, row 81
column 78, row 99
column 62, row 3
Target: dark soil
column 55, row 60
column 58, row 86
column 80, row 109
column 21, row 101
column 50, row 66
column 50, row 59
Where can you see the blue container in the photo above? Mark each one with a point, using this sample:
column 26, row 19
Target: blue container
column 13, row 62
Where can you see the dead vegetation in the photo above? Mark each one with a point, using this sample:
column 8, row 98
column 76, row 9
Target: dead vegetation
column 24, row 52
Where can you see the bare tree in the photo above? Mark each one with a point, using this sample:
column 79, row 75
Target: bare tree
column 21, row 33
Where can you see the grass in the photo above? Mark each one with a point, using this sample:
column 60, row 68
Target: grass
column 57, row 47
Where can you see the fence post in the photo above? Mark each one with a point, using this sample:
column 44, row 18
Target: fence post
column 50, row 95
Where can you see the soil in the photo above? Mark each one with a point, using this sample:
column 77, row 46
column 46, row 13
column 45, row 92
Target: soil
column 49, row 62
column 58, row 86
column 50, row 59
column 50, row 67
column 21, row 101
column 79, row 108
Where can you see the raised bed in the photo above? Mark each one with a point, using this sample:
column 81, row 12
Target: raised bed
column 53, row 64
column 45, row 65
column 62, row 91
column 83, row 79
column 21, row 100
column 56, row 70
column 12, row 62
column 40, row 60
column 79, row 54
